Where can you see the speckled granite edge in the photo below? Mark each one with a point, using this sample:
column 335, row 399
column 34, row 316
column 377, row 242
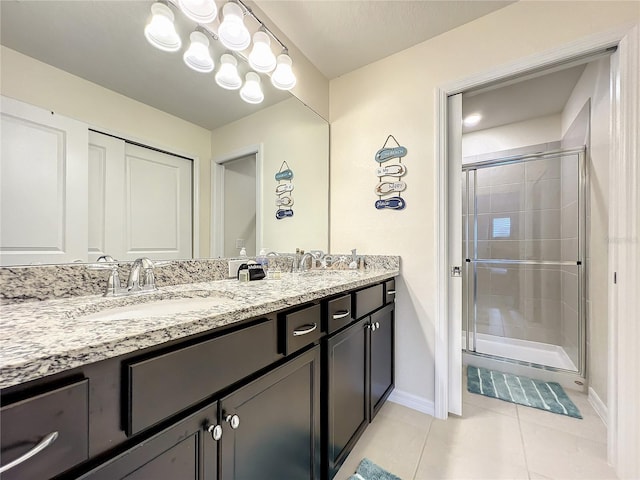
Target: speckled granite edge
column 43, row 338
column 44, row 282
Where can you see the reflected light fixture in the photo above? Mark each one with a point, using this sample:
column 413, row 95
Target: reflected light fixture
column 251, row 91
column 160, row 31
column 472, row 120
column 232, row 32
column 261, row 58
column 227, row 76
column 283, row 78
column 200, row 11
column 197, row 56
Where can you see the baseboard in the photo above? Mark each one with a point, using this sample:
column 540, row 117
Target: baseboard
column 415, row 402
column 598, row 405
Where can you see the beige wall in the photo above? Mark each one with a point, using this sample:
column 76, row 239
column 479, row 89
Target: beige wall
column 396, row 96
column 287, row 131
column 37, row 83
column 594, row 85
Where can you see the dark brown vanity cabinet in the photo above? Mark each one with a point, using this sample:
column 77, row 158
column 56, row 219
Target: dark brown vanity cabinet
column 272, row 425
column 359, row 374
column 45, row 434
column 186, row 450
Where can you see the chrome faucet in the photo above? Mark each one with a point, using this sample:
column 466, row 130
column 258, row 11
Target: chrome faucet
column 141, row 276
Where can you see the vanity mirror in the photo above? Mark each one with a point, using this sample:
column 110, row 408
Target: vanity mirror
column 89, row 61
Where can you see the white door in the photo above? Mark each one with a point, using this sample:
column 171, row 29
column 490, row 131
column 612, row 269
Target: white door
column 43, row 186
column 454, row 171
column 140, row 201
column 158, row 203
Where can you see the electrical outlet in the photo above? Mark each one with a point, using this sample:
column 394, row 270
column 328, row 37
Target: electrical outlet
column 234, row 265
column 240, row 243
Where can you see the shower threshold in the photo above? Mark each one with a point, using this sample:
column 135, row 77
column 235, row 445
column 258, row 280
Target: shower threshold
column 523, row 351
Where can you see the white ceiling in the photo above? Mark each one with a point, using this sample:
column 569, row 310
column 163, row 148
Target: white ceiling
column 540, row 96
column 339, row 36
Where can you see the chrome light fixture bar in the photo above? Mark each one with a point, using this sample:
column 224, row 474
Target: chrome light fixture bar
column 233, row 34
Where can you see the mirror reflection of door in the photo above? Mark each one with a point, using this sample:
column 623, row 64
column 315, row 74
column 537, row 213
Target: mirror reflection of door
column 240, row 205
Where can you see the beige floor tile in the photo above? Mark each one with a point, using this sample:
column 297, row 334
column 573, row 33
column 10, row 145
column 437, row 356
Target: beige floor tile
column 394, row 440
column 435, row 465
column 481, row 436
column 559, row 454
column 493, row 404
column 590, row 426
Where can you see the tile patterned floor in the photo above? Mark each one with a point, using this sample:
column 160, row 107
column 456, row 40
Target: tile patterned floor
column 492, row 440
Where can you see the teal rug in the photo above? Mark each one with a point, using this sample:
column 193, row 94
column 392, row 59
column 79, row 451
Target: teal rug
column 367, row 470
column 549, row 396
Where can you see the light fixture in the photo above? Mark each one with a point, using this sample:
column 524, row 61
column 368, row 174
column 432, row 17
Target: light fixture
column 232, row 31
column 251, row 91
column 200, row 11
column 197, row 55
column 261, row 58
column 160, row 31
column 472, row 120
column 227, row 76
column 283, row 77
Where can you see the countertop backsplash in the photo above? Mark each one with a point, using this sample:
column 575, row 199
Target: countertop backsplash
column 44, row 282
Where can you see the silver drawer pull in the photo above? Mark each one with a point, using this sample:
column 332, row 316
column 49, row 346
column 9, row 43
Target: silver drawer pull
column 44, row 443
column 341, row 314
column 391, row 292
column 303, row 331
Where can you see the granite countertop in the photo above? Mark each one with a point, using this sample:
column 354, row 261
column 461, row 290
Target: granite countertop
column 41, row 338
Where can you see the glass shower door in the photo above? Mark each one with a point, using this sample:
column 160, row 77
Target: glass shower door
column 523, row 246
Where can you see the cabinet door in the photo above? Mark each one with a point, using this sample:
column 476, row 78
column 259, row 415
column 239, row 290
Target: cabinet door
column 185, row 451
column 43, row 186
column 346, row 390
column 382, row 357
column 277, row 424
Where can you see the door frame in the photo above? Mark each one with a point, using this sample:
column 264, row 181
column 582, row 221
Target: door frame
column 624, row 248
column 217, row 195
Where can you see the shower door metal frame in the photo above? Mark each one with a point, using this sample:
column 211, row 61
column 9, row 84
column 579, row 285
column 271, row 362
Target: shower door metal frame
column 471, row 263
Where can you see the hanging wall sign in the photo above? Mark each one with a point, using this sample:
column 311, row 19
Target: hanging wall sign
column 284, row 199
column 388, row 176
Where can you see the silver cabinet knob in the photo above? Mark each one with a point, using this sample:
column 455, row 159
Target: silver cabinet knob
column 233, row 420
column 372, row 327
column 377, row 325
column 215, row 431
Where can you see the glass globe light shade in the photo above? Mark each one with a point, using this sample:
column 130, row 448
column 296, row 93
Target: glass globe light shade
column 282, row 77
column 197, row 56
column 261, row 58
column 251, row 91
column 160, row 31
column 232, row 32
column 200, row 11
column 227, row 76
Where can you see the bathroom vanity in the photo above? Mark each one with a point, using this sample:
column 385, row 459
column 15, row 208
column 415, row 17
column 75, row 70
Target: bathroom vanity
column 274, row 380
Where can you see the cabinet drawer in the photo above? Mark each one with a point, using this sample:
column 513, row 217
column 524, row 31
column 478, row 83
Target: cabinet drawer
column 368, row 299
column 31, row 422
column 299, row 329
column 389, row 291
column 164, row 385
column 339, row 313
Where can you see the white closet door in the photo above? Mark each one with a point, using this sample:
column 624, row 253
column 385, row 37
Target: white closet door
column 106, row 196
column 158, row 205
column 43, row 186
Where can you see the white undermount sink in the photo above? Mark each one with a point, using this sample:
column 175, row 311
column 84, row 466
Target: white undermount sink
column 157, row 308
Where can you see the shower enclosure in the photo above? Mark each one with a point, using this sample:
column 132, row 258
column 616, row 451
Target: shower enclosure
column 524, row 250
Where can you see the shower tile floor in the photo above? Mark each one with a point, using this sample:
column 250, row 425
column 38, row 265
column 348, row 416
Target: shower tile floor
column 492, row 440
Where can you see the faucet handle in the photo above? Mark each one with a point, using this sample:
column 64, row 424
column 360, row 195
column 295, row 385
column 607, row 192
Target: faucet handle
column 106, row 262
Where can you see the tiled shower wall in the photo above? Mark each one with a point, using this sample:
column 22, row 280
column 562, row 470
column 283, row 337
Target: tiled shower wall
column 519, row 216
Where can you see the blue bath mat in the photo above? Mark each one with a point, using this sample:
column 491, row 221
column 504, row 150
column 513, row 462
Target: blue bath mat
column 367, row 470
column 549, row 396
